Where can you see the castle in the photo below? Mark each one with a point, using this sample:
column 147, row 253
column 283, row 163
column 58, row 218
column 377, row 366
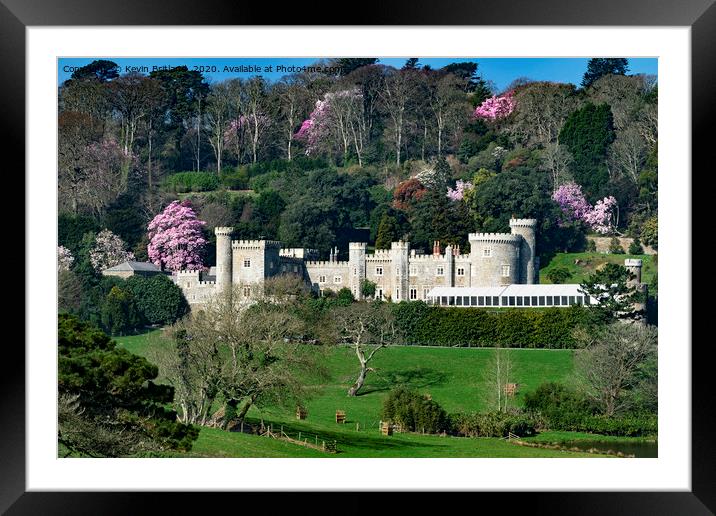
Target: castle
column 399, row 273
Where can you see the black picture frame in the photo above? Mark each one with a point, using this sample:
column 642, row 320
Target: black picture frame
column 700, row 15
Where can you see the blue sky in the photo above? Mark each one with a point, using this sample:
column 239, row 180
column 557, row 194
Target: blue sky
column 501, row 71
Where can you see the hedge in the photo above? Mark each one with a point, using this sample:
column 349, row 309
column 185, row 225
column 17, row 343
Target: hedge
column 182, row 182
column 425, row 325
column 492, row 424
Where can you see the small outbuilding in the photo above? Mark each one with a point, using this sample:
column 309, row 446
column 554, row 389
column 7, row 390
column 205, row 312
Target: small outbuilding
column 127, row 269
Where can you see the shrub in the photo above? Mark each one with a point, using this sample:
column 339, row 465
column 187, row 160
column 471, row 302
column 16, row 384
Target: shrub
column 493, row 424
column 591, row 246
column 511, row 327
column 414, row 412
column 344, row 296
column 559, row 274
column 159, row 299
column 615, row 246
column 119, row 312
column 182, row 182
column 237, row 179
column 635, row 247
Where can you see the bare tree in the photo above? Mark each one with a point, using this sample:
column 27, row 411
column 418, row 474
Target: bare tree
column 395, row 97
column 367, row 328
column 256, row 109
column 557, row 159
column 218, row 115
column 292, row 99
column 609, row 366
column 497, row 375
column 446, row 101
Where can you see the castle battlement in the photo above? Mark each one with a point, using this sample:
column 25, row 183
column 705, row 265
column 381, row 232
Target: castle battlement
column 499, row 238
column 326, row 263
column 357, row 245
column 185, row 272
column 427, row 257
column 223, row 231
column 255, row 244
column 207, row 283
column 523, row 222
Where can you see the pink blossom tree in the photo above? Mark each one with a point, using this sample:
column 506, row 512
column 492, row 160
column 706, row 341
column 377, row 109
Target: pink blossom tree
column 575, row 206
column 64, row 258
column 496, row 107
column 458, row 194
column 109, row 250
column 175, row 238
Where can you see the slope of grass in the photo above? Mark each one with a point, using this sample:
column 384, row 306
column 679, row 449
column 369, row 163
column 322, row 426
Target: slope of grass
column 590, row 262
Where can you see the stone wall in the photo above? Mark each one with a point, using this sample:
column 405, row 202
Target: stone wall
column 602, row 244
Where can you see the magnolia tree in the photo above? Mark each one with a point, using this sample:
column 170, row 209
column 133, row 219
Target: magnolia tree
column 496, row 107
column 175, row 238
column 337, row 119
column 64, row 258
column 575, row 206
column 109, row 250
column 458, row 194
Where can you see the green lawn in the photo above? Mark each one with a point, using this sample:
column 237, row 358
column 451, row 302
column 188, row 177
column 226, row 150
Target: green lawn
column 454, row 377
column 589, row 262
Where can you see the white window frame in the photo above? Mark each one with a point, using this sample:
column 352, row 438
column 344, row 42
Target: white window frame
column 247, row 261
column 461, row 271
column 413, row 293
column 337, row 279
column 322, row 279
column 440, row 271
column 379, row 271
column 505, row 271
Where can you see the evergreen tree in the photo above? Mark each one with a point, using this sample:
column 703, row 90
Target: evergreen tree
column 387, row 232
column 599, row 67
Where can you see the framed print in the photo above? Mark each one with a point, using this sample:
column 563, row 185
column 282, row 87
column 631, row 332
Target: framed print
column 256, row 247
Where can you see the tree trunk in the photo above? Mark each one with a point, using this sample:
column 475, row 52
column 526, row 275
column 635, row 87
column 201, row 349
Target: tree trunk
column 353, row 391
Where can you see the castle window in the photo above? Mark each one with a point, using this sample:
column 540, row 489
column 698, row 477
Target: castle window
column 425, row 292
column 440, row 271
column 505, row 271
column 413, row 270
column 460, row 271
column 397, row 294
column 379, row 293
column 321, row 279
column 355, row 271
column 247, row 262
column 487, row 253
column 413, row 293
column 247, row 291
column 379, row 271
column 337, row 279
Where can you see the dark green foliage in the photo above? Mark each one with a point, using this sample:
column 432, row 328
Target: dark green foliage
column 599, row 67
column 125, row 220
column 235, row 179
column 115, row 389
column 100, row 70
column 635, row 247
column 492, row 424
column 435, row 217
column 119, row 314
column 591, row 246
column 559, row 275
column 183, row 182
column 562, row 408
column 464, row 327
column 414, row 412
column 587, row 133
column 650, row 232
column 615, row 246
column 387, row 232
column 344, row 296
column 367, row 289
column 615, row 297
column 158, row 299
column 71, row 229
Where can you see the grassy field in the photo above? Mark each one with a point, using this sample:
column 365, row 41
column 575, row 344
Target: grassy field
column 590, row 262
column 454, row 377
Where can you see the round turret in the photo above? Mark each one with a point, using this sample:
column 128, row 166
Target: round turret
column 223, row 258
column 526, row 229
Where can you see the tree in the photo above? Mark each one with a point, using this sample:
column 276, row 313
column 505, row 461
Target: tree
column 109, row 405
column 109, row 250
column 559, row 275
column 64, row 258
column 366, row 328
column 650, row 232
column 367, row 289
column 599, row 67
column 176, row 241
column 158, row 299
column 218, row 114
column 100, row 70
column 387, row 232
column 587, row 133
column 574, row 206
column 69, row 291
column 612, row 289
column 247, row 351
column 119, row 314
column 635, row 247
column 396, row 96
column 612, row 363
column 498, row 374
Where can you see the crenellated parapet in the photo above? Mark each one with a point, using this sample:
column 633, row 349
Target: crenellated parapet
column 326, row 263
column 529, row 223
column 498, row 238
column 256, row 244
